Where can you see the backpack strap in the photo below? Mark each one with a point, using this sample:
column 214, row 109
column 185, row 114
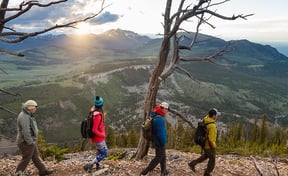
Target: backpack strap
column 206, row 124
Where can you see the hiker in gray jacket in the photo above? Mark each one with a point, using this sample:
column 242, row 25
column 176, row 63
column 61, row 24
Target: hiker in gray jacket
column 27, row 132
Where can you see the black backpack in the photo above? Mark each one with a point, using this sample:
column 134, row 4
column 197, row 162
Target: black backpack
column 201, row 133
column 86, row 126
column 147, row 128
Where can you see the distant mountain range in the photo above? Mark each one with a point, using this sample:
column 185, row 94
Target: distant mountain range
column 112, row 39
column 63, row 73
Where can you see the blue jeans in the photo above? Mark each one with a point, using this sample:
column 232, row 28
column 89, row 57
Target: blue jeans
column 101, row 152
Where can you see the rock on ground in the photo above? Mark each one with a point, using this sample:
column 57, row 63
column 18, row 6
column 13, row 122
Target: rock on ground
column 226, row 165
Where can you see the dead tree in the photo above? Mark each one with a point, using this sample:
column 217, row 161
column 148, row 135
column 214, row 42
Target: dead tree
column 169, row 59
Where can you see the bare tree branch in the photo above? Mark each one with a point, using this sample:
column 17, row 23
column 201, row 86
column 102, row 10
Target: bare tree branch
column 23, row 8
column 7, row 110
column 23, row 36
column 256, row 166
column 185, row 71
column 275, row 161
column 200, row 9
column 228, row 18
column 186, row 119
column 11, row 52
column 10, row 93
column 209, row 58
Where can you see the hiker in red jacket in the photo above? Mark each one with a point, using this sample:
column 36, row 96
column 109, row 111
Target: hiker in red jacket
column 99, row 131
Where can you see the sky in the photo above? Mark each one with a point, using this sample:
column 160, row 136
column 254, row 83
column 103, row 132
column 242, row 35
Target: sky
column 268, row 24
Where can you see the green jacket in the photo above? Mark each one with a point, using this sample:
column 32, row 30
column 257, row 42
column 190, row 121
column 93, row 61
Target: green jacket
column 212, row 133
column 27, row 129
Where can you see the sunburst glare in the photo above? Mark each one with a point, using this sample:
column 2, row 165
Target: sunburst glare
column 83, row 28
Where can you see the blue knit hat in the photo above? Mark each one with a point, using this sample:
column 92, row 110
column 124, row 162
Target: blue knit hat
column 98, row 101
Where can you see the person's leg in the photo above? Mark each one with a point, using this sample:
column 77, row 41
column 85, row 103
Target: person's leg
column 153, row 162
column 193, row 163
column 163, row 160
column 27, row 152
column 101, row 153
column 37, row 161
column 211, row 163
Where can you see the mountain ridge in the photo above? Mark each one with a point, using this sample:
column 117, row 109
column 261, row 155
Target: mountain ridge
column 109, row 37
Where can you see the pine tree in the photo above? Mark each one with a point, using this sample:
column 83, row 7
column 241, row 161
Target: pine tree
column 255, row 130
column 132, row 138
column 111, row 137
column 263, row 130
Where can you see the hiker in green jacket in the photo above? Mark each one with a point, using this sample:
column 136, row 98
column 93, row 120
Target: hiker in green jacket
column 210, row 144
column 27, row 132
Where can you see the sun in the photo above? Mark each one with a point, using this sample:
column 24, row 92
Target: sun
column 83, row 28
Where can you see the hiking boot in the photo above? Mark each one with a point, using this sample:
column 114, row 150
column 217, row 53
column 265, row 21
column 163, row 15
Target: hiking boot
column 144, row 174
column 97, row 166
column 192, row 166
column 20, row 173
column 165, row 173
column 206, row 174
column 88, row 167
column 47, row 172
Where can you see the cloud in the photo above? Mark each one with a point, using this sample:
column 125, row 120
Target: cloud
column 105, row 17
column 38, row 18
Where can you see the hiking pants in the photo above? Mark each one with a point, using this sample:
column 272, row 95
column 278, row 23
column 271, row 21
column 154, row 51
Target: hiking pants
column 101, row 152
column 208, row 154
column 160, row 157
column 30, row 152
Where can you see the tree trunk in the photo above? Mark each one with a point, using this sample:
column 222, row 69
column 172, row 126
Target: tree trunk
column 150, row 99
column 3, row 5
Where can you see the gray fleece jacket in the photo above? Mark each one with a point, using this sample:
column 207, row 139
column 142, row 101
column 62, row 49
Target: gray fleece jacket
column 27, row 129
